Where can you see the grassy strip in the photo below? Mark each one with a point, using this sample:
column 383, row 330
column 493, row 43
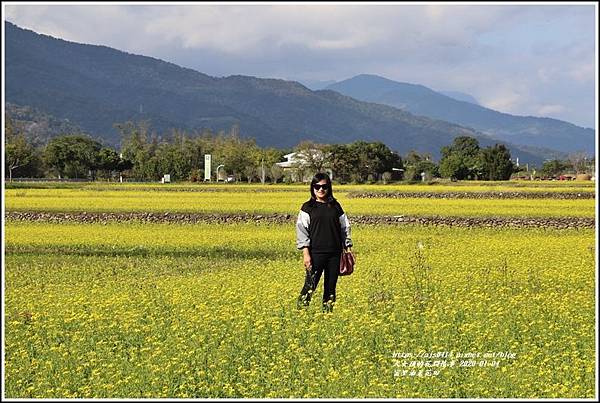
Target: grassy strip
column 74, row 200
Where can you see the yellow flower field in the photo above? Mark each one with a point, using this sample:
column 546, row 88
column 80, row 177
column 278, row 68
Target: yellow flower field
column 257, row 200
column 168, row 310
column 126, row 310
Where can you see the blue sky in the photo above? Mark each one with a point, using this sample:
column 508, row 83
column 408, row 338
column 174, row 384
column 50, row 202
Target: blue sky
column 520, row 58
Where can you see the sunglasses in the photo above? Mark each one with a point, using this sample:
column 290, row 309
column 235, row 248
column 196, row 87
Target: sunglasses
column 324, row 187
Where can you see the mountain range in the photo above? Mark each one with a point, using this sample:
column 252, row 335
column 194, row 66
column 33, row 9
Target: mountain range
column 323, row 84
column 420, row 100
column 94, row 87
column 460, row 96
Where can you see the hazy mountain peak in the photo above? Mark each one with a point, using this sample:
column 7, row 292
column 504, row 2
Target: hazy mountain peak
column 460, row 96
column 420, row 100
column 315, row 85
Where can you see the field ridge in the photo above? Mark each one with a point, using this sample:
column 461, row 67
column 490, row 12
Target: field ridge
column 474, row 195
column 221, row 218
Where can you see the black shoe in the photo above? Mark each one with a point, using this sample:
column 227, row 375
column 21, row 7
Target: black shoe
column 302, row 302
column 327, row 307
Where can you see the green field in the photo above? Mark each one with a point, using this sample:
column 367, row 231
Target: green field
column 169, row 310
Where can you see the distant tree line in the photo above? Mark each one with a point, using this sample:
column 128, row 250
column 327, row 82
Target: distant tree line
column 145, row 156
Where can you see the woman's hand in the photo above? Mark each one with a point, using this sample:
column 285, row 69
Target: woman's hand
column 307, row 259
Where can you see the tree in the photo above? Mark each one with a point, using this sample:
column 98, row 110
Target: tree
column 386, row 176
column 276, row 173
column 108, row 161
column 461, row 160
column 465, row 146
column 124, row 165
column 371, row 159
column 415, row 164
column 365, row 163
column 382, row 158
column 496, row 163
column 343, row 161
column 580, row 162
column 18, row 151
column 313, row 156
column 299, row 172
column 136, row 146
column 452, row 166
column 265, row 159
column 554, row 167
column 430, row 169
column 235, row 153
column 72, row 156
column 250, row 172
column 413, row 157
column 174, row 156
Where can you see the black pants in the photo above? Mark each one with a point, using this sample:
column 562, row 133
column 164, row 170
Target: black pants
column 322, row 262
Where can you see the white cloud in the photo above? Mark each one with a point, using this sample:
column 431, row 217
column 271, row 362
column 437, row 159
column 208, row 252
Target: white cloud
column 583, row 73
column 506, row 101
column 549, row 110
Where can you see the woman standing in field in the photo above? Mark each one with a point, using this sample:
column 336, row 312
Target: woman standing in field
column 322, row 231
